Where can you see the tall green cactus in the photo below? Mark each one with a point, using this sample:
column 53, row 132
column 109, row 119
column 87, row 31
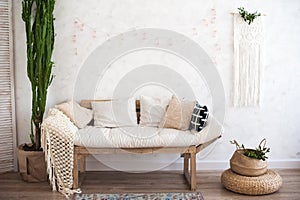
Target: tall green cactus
column 38, row 18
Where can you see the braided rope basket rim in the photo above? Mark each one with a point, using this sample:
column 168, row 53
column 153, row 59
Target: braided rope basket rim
column 267, row 183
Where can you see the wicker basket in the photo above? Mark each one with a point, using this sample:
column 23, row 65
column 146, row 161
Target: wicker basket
column 268, row 183
column 246, row 166
column 241, row 164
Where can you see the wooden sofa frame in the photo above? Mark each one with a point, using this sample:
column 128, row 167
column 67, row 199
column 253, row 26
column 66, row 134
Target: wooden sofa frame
column 188, row 153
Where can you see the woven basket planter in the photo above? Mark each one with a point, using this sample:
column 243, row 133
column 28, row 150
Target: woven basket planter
column 243, row 165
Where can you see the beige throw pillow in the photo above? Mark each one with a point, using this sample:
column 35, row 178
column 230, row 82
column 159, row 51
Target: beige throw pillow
column 178, row 114
column 80, row 116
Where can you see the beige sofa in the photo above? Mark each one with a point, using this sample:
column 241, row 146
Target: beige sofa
column 185, row 143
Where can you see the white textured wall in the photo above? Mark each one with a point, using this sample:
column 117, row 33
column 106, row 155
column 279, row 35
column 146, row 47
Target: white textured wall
column 81, row 26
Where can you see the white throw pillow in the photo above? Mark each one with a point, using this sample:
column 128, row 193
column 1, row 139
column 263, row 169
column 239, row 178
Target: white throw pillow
column 152, row 110
column 115, row 113
column 80, row 116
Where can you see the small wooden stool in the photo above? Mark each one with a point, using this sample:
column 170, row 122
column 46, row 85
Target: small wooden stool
column 267, row 183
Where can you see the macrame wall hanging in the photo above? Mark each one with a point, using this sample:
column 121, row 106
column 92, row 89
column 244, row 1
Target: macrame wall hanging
column 248, row 61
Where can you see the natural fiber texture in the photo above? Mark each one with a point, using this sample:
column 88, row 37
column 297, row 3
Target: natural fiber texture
column 265, row 184
column 58, row 145
column 178, row 114
column 248, row 61
column 241, row 164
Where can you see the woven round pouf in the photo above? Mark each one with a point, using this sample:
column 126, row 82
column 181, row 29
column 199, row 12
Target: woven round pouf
column 265, row 184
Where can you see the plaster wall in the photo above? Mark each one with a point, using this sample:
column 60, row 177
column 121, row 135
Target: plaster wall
column 82, row 26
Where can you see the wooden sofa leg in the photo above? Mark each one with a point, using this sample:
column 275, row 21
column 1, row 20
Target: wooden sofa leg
column 186, row 164
column 193, row 171
column 82, row 164
column 75, row 171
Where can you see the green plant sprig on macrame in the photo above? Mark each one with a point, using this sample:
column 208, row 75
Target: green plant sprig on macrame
column 248, row 17
column 257, row 153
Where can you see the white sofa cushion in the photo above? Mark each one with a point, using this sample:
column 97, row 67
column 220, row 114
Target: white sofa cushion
column 115, row 113
column 143, row 137
column 80, row 116
column 152, row 110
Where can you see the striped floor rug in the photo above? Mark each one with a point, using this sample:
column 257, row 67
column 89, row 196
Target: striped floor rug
column 145, row 196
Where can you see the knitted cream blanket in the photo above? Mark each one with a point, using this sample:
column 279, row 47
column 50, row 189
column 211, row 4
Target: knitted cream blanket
column 58, row 144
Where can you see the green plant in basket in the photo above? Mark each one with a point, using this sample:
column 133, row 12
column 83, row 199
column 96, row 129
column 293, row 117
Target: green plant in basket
column 257, row 153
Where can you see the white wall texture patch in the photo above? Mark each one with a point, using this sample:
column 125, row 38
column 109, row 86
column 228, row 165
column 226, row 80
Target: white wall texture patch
column 83, row 26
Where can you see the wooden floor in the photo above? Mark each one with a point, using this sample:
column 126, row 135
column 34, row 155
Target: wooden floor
column 12, row 187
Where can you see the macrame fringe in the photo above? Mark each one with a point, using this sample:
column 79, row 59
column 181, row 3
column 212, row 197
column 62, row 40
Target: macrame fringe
column 248, row 61
column 58, row 145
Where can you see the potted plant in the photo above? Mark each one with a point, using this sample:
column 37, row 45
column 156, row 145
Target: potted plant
column 249, row 162
column 39, row 27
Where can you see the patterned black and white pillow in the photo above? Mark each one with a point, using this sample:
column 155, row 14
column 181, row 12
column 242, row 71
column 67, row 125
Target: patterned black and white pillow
column 199, row 117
